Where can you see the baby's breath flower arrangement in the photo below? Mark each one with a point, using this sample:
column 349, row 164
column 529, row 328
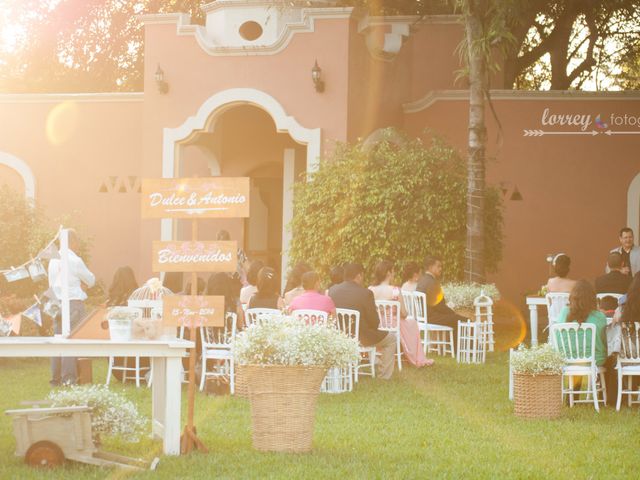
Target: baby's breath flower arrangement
column 539, row 360
column 461, row 295
column 294, row 343
column 111, row 414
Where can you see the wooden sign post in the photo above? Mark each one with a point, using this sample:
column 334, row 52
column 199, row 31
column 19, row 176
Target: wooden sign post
column 214, row 197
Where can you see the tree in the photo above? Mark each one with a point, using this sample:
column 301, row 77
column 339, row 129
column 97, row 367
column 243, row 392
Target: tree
column 79, row 45
column 397, row 200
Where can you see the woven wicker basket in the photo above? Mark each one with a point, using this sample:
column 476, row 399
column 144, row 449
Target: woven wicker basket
column 538, row 396
column 283, row 405
column 241, row 389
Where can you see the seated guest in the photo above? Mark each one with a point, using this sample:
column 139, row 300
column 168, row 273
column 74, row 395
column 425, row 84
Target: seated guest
column 560, row 283
column 336, row 276
column 582, row 309
column 221, row 284
column 438, row 312
column 615, row 281
column 312, row 299
column 630, row 253
column 123, row 284
column 410, row 277
column 294, row 282
column 252, row 279
column 352, row 294
column 409, row 331
column 608, row 306
column 267, row 295
column 173, row 281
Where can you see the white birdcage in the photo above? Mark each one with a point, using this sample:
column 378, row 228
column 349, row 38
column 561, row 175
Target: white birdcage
column 149, row 298
column 483, row 305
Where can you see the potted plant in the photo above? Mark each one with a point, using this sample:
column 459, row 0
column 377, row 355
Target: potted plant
column 285, row 362
column 537, row 382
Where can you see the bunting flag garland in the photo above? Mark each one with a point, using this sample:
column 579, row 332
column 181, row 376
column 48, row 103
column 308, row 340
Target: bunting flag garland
column 33, row 313
column 50, row 252
column 16, row 274
column 37, row 271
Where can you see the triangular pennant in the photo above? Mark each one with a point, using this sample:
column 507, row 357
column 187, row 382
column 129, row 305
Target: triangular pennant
column 33, row 314
column 132, row 183
column 37, row 271
column 113, row 181
column 103, row 188
column 13, row 323
column 49, row 253
column 123, row 187
column 49, row 293
column 16, row 274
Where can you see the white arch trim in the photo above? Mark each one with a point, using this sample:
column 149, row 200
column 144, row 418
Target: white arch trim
column 222, row 101
column 205, row 119
column 23, row 170
column 633, row 205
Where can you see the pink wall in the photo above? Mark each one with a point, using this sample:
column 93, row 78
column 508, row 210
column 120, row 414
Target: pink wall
column 73, row 144
column 574, row 187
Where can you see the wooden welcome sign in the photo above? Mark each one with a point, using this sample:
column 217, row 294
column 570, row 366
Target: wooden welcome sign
column 194, row 256
column 210, row 197
column 193, row 311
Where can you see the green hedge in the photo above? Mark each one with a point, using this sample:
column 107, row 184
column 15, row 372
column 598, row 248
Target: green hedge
column 393, row 201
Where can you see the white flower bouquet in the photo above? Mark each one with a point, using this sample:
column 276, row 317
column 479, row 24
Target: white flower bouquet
column 294, row 343
column 461, row 295
column 539, row 360
column 112, row 414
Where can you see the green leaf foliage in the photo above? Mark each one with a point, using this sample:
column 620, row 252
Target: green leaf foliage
column 398, row 200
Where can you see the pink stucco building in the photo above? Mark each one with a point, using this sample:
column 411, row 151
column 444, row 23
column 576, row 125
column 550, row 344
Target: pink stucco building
column 241, row 102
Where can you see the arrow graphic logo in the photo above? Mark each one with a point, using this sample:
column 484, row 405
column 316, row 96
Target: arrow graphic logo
column 540, row 133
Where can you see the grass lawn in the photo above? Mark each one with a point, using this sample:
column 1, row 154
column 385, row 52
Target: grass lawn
column 448, row 421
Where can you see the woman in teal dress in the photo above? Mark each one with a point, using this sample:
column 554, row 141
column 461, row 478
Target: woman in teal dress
column 583, row 309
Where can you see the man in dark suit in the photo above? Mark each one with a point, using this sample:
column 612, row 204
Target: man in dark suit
column 438, row 312
column 352, row 294
column 615, row 281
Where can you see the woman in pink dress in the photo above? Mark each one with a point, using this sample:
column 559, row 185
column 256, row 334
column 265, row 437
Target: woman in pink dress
column 409, row 331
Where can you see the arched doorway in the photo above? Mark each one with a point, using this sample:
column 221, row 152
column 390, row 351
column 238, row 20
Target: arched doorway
column 633, row 205
column 244, row 132
column 17, row 175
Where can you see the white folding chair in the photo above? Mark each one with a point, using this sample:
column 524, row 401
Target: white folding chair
column 628, row 364
column 257, row 315
column 471, row 346
column 483, row 305
column 311, row 317
column 217, row 345
column 436, row 338
column 556, row 301
column 339, row 380
column 389, row 314
column 409, row 303
column 577, row 344
column 137, row 371
column 353, row 317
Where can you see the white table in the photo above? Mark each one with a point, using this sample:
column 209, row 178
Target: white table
column 533, row 303
column 166, row 357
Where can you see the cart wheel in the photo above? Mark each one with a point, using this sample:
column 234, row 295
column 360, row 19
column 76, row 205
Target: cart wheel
column 44, row 455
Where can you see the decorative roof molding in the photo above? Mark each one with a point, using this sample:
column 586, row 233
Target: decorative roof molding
column 460, row 95
column 305, row 25
column 109, row 97
column 23, row 169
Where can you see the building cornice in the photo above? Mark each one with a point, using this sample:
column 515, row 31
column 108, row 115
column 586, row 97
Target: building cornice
column 521, row 95
column 109, row 97
column 306, row 25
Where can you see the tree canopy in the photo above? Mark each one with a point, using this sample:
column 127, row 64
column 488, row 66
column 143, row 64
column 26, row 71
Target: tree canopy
column 97, row 45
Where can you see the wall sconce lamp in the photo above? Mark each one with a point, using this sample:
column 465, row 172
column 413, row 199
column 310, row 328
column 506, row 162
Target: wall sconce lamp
column 316, row 76
column 163, row 87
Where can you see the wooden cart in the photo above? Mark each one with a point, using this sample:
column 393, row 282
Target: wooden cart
column 45, row 437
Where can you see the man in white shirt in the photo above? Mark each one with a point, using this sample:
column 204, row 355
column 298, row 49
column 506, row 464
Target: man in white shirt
column 64, row 370
column 629, row 251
